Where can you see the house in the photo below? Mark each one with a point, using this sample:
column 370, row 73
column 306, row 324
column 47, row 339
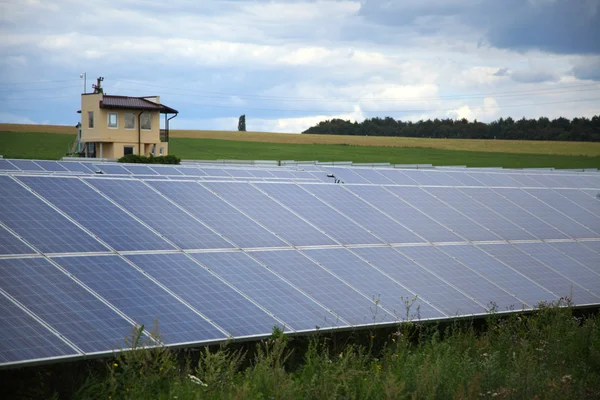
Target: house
column 114, row 126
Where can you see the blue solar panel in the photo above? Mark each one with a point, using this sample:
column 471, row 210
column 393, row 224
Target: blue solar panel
column 559, row 262
column 53, row 166
column 432, row 289
column 192, row 171
column 397, row 177
column 463, row 179
column 139, row 170
column 514, row 213
column 112, row 169
column 10, row 244
column 421, row 178
column 5, row 165
column 526, row 180
column 374, row 284
column 318, row 213
column 97, row 214
column 585, row 253
column 328, row 290
column 347, row 175
column 259, row 173
column 26, row 165
column 546, row 213
column 266, row 288
column 159, row 213
column 583, row 198
column 270, row 214
column 76, row 167
column 63, row 304
column 373, row 176
column 170, row 170
column 353, row 207
column 140, row 299
column 486, row 217
column 446, row 216
column 405, row 214
column 203, row 291
column 536, row 271
column 24, row 338
column 462, row 277
column 239, row 173
column 216, row 213
column 512, row 281
column 586, row 217
column 39, row 224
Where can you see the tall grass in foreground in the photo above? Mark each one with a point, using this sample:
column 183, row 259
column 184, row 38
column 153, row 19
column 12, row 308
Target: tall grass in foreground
column 550, row 354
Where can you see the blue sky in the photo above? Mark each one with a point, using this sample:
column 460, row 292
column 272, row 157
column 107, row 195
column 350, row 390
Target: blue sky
column 289, row 64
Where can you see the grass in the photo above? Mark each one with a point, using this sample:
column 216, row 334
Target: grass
column 53, row 146
column 211, row 149
column 550, row 354
column 37, row 145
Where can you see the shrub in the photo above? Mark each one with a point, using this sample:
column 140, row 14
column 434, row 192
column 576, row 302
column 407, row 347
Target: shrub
column 139, row 159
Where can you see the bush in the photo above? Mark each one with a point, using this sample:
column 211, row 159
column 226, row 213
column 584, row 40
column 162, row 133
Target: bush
column 138, row 159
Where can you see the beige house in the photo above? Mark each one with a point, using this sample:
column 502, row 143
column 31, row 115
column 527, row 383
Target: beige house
column 114, row 126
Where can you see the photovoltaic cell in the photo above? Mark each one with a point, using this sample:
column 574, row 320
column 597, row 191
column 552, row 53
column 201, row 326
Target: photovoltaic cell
column 461, row 277
column 373, row 283
column 140, row 170
column 420, row 281
column 191, row 171
column 397, row 177
column 510, row 280
column 25, row 165
column 53, row 166
column 140, row 299
column 514, row 213
column 564, row 265
column 266, row 288
column 270, row 214
column 112, row 169
column 546, row 213
column 76, row 167
column 372, row 176
column 63, row 304
column 486, row 217
column 446, row 216
column 369, row 217
column 217, row 214
column 405, row 214
column 585, row 253
column 328, row 290
column 583, row 199
column 319, row 213
column 9, row 244
column 39, row 224
column 97, row 214
column 539, row 273
column 160, row 214
column 207, row 294
column 24, row 338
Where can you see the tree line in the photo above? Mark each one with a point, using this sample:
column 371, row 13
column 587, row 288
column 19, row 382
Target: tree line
column 577, row 129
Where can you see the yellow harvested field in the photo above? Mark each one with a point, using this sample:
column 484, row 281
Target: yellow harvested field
column 496, row 146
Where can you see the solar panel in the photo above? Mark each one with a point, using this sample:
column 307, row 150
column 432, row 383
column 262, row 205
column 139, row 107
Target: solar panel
column 141, row 299
column 39, row 224
column 318, row 213
column 10, row 244
column 6, row 165
column 140, row 170
column 53, row 166
column 282, row 299
column 98, row 215
column 203, row 291
column 26, row 165
column 76, row 167
column 24, row 338
column 112, row 169
column 270, row 214
column 67, row 307
column 228, row 221
column 162, row 215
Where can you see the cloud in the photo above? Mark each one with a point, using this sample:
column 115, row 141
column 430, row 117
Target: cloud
column 588, row 69
column 501, row 72
column 531, row 76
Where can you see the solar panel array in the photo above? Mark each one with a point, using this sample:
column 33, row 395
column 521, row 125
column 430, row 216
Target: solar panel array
column 218, row 251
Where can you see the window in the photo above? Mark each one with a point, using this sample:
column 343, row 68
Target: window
column 128, row 150
column 90, row 119
column 161, row 151
column 113, row 120
column 146, row 123
column 129, row 121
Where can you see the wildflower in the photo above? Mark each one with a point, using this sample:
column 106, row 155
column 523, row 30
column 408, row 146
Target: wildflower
column 379, row 367
column 341, row 355
column 393, row 340
column 197, row 380
column 115, row 365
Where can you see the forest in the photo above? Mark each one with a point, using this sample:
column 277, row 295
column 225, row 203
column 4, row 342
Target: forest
column 577, row 129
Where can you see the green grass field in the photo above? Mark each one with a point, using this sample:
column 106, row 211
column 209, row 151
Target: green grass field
column 54, row 146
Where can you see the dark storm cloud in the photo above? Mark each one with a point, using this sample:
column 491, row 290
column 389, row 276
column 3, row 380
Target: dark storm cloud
column 555, row 26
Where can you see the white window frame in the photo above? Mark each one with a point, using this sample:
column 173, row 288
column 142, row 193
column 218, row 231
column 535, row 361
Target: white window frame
column 142, row 122
column 90, row 113
column 125, row 118
column 116, row 114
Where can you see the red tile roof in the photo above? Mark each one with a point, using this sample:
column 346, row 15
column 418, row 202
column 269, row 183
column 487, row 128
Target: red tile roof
column 135, row 103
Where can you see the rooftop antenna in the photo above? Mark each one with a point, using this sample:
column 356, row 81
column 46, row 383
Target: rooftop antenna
column 98, row 87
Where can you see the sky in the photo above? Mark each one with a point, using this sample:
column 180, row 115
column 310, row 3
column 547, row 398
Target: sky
column 288, row 64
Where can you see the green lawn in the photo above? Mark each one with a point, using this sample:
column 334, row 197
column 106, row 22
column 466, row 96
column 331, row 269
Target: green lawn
column 212, row 149
column 54, row 146
column 47, row 146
